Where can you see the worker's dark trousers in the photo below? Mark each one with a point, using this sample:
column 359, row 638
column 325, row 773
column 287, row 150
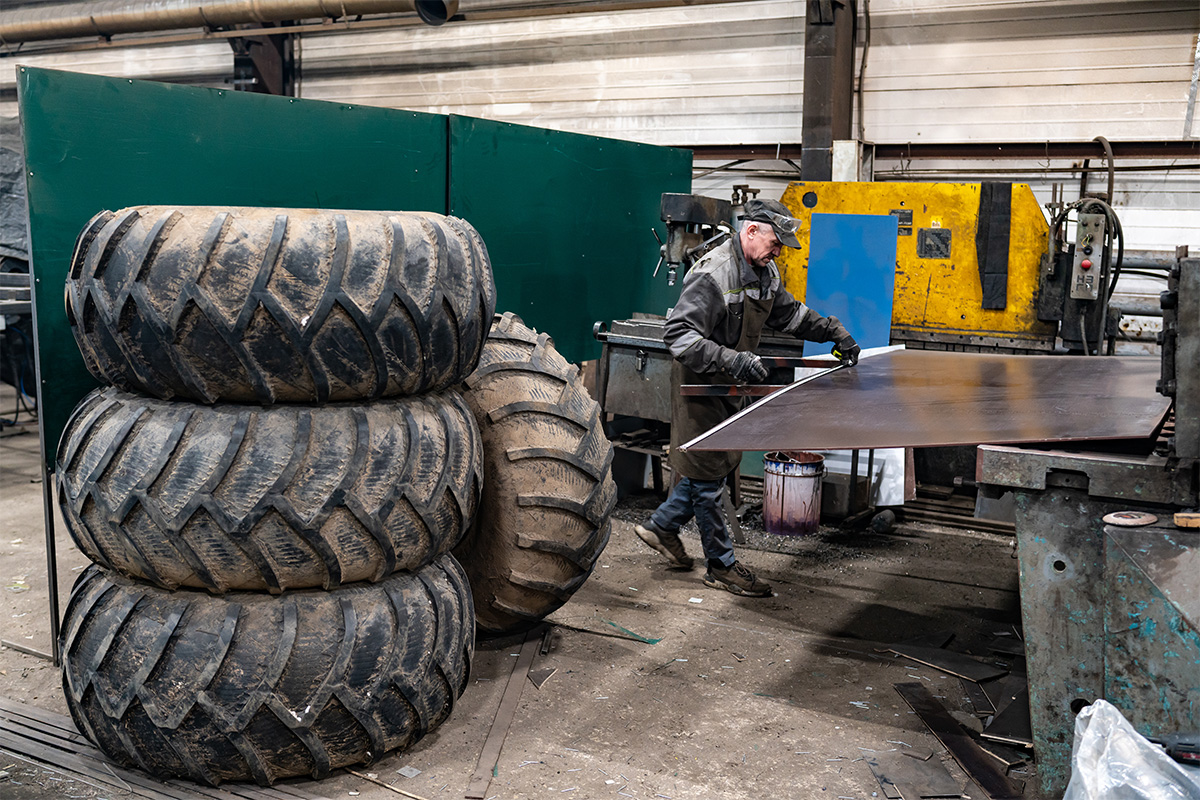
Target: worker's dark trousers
column 702, row 500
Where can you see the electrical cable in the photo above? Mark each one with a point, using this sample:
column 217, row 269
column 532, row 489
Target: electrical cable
column 1108, row 157
column 1110, row 269
column 862, row 67
column 1145, row 273
column 1106, row 273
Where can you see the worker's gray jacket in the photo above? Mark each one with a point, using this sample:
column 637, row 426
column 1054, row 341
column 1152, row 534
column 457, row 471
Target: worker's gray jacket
column 703, row 328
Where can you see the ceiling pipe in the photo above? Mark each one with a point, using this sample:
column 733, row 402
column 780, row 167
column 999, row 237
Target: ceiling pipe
column 110, row 17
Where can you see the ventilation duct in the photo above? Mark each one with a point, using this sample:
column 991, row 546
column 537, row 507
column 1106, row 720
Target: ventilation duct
column 111, row 17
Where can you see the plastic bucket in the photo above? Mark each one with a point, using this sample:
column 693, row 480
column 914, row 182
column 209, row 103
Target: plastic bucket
column 792, row 492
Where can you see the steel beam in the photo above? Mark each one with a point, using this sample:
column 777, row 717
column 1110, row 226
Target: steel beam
column 1022, row 151
column 828, row 83
column 265, row 64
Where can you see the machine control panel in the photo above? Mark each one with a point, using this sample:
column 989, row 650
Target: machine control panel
column 1086, row 275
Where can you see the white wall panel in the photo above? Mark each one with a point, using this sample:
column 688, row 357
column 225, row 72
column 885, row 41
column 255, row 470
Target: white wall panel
column 203, row 63
column 943, row 71
column 730, row 73
column 1159, row 210
column 727, row 73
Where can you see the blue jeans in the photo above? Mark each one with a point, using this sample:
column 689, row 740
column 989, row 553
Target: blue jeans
column 702, row 500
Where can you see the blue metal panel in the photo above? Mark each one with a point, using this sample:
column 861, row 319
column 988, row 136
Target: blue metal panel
column 852, row 272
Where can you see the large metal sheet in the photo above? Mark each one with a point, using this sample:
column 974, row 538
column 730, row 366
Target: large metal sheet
column 923, row 398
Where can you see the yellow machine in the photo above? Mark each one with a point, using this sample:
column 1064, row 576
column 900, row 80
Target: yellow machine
column 969, row 258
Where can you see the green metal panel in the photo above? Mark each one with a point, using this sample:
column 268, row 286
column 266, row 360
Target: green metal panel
column 567, row 221
column 94, row 143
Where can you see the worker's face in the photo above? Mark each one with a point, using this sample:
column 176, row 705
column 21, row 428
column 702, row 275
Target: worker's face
column 760, row 245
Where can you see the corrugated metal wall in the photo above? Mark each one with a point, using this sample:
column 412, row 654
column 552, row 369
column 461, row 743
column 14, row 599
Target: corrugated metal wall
column 1002, row 70
column 728, row 73
column 708, row 74
column 732, row 73
column 195, row 63
column 938, row 71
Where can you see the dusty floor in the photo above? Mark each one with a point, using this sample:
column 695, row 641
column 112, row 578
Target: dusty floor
column 739, row 698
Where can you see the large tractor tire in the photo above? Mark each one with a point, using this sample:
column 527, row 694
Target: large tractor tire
column 544, row 517
column 234, row 497
column 256, row 687
column 260, row 305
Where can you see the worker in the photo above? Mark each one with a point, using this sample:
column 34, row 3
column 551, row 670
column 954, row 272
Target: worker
column 728, row 297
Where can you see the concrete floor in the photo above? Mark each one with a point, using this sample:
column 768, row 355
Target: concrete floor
column 739, row 698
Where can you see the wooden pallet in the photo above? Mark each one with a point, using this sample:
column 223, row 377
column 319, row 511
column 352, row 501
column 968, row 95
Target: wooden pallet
column 52, row 742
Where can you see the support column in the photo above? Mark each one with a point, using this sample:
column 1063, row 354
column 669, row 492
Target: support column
column 264, row 64
column 829, row 32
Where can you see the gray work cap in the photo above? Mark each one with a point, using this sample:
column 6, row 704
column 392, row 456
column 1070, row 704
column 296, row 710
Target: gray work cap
column 775, row 214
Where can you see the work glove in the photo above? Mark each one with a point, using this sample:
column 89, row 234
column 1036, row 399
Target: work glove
column 847, row 350
column 747, row 368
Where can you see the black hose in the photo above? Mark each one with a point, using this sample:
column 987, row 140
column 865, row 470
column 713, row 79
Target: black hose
column 1145, row 273
column 862, row 68
column 1110, row 270
column 1108, row 157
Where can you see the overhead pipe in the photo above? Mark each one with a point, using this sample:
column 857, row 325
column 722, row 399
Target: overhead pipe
column 110, row 17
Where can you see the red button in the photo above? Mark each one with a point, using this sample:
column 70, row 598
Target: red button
column 1085, row 264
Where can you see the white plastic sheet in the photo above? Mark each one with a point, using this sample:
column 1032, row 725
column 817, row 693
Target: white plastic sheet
column 1112, row 761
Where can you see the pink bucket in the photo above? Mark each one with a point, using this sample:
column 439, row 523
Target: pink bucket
column 792, row 492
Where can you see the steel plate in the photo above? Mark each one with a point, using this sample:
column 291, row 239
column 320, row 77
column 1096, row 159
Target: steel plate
column 924, row 398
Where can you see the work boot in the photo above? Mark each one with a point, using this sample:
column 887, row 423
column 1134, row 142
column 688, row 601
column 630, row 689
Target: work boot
column 669, row 544
column 737, row 579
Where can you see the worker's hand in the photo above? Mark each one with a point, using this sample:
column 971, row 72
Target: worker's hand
column 847, row 350
column 747, row 368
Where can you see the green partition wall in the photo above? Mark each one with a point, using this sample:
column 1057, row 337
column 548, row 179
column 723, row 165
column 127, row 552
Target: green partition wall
column 94, row 143
column 566, row 218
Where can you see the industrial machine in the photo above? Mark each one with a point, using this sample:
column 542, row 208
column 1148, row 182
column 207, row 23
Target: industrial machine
column 968, row 258
column 1109, row 567
column 978, row 268
column 634, row 374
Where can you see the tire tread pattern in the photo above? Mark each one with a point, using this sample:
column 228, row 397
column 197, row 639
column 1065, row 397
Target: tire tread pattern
column 544, row 516
column 279, row 305
column 254, row 687
column 228, row 498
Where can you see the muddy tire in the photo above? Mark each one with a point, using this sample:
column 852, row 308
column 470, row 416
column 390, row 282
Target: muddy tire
column 544, row 517
column 231, row 497
column 258, row 305
column 255, row 687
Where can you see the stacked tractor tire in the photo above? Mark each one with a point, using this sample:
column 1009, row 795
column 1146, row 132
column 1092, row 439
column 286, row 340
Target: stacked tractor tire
column 317, row 461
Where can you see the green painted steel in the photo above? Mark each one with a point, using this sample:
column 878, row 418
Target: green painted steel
column 94, row 143
column 566, row 218
column 567, row 221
